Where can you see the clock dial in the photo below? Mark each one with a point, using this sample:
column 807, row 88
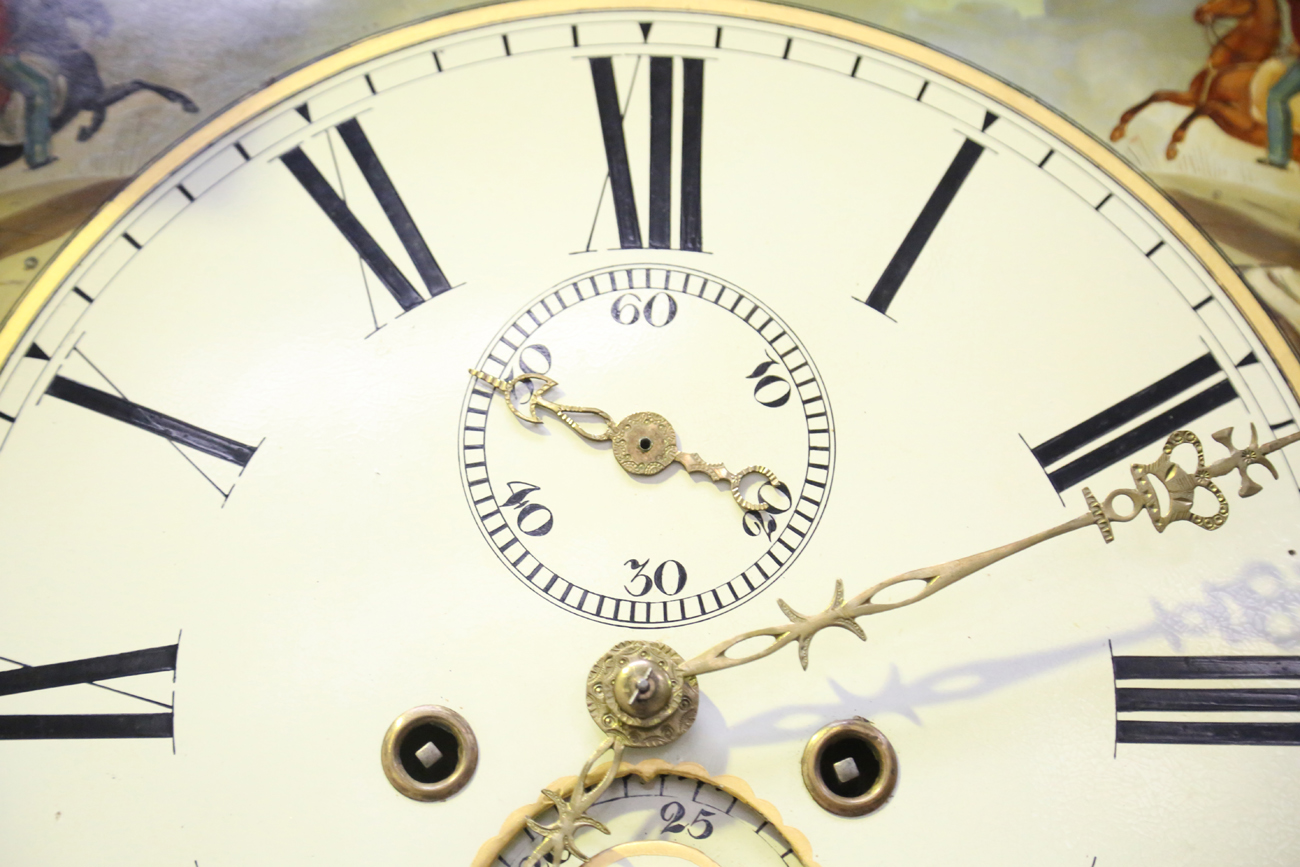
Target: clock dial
column 563, row 517
column 253, row 507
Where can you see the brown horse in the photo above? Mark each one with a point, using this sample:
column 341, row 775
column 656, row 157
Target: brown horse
column 1221, row 91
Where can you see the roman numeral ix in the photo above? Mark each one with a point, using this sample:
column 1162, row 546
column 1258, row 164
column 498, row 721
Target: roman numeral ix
column 358, row 145
column 661, row 158
column 67, row 726
column 1209, row 700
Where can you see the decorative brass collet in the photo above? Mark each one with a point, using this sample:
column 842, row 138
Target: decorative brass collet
column 637, row 692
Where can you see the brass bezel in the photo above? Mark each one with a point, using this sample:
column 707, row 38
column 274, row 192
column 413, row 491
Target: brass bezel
column 645, row 771
column 871, row 800
column 33, row 300
column 390, row 759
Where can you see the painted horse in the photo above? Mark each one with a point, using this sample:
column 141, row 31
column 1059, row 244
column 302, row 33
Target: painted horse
column 1222, row 90
column 43, row 39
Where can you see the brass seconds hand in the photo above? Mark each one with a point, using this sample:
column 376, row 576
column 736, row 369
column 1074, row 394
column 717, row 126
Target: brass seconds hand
column 642, row 693
column 644, row 442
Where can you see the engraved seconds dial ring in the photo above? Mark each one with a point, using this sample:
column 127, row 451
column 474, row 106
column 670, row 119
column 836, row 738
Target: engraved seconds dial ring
column 734, row 383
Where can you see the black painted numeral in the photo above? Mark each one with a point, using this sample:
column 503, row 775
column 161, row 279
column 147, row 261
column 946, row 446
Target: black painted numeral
column 171, row 429
column 1160, row 699
column 891, row 279
column 354, row 137
column 69, row 726
column 669, row 577
column 690, row 226
column 532, row 519
column 1127, row 410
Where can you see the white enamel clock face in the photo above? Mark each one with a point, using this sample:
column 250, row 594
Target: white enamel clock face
column 251, row 495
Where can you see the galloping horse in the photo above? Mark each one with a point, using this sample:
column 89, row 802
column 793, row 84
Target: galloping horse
column 47, row 44
column 1222, row 90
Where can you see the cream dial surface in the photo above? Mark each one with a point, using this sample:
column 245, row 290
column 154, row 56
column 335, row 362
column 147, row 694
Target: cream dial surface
column 303, row 540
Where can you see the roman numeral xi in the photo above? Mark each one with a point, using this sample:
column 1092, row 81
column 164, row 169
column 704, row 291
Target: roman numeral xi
column 352, row 229
column 31, row 678
column 662, row 86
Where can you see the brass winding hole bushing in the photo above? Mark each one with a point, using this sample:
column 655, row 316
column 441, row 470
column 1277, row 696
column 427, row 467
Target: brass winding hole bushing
column 850, row 768
column 429, row 753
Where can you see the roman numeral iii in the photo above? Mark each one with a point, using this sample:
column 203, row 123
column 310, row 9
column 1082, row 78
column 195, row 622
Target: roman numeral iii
column 1133, row 702
column 663, row 91
column 69, row 726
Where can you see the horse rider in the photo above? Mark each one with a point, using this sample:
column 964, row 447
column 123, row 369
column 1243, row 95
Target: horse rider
column 34, row 87
column 1279, row 100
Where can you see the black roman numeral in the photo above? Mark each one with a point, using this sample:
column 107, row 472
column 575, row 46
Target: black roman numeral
column 65, row 726
column 356, row 234
column 690, row 226
column 171, row 429
column 1129, row 409
column 1136, row 700
column 891, row 279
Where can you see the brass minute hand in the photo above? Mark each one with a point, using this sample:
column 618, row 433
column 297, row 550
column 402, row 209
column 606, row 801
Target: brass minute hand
column 644, row 442
column 1180, row 484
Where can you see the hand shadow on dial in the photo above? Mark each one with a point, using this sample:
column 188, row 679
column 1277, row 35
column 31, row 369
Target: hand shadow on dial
column 1259, row 604
column 1243, row 609
column 906, row 698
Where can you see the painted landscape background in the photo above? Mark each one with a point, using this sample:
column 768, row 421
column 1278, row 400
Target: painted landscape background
column 1090, row 59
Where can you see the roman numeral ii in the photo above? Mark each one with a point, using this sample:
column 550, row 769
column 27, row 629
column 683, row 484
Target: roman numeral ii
column 1091, row 433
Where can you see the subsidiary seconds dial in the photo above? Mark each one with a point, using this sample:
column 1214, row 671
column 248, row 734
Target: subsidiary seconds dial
column 738, row 387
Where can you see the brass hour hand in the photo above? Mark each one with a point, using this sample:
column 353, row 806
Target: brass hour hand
column 644, row 442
